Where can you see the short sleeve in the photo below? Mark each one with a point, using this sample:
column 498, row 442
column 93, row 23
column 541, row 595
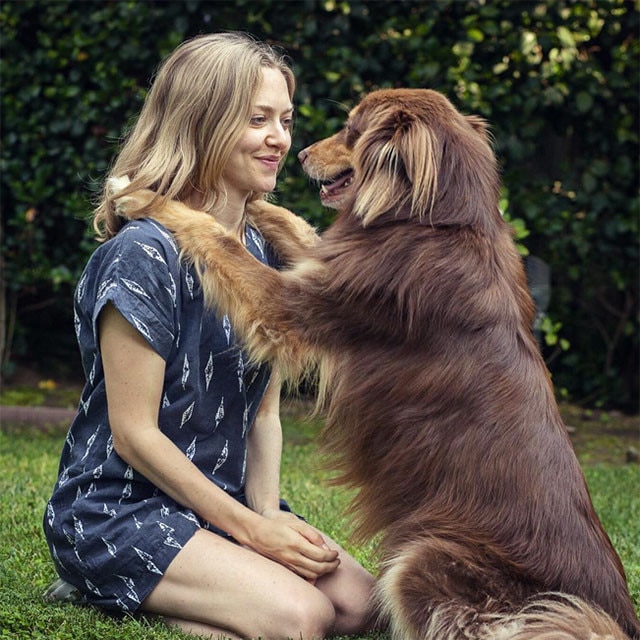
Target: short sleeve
column 138, row 272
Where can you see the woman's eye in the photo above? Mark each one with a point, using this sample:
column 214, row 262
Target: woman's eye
column 287, row 123
column 257, row 121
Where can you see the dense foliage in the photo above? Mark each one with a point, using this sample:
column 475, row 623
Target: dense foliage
column 557, row 80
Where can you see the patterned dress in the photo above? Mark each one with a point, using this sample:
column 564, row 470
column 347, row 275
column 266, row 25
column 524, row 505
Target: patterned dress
column 111, row 533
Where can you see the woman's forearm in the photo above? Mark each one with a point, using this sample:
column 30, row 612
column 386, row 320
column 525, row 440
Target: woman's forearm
column 264, row 453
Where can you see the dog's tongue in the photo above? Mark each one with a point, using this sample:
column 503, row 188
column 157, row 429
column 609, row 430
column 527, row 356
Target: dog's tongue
column 331, row 187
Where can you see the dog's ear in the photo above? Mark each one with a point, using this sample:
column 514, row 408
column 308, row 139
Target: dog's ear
column 479, row 124
column 396, row 162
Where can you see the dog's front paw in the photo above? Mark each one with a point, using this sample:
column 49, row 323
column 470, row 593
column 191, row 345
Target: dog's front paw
column 129, row 205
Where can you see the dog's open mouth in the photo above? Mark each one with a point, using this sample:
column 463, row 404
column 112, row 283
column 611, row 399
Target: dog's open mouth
column 332, row 190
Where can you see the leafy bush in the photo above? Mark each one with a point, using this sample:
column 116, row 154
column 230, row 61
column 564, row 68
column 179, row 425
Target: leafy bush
column 557, row 81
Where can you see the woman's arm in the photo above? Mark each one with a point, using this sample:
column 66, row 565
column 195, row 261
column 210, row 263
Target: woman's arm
column 264, row 452
column 134, row 377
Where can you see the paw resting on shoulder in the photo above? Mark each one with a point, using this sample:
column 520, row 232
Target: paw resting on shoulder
column 132, row 205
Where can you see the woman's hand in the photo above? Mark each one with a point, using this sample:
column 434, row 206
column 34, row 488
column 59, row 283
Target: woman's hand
column 285, row 538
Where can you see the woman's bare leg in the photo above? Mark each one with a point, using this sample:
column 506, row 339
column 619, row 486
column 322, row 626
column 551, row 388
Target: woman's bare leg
column 199, row 629
column 349, row 589
column 218, row 585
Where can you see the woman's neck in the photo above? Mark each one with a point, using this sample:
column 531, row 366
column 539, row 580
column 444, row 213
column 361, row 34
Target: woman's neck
column 231, row 216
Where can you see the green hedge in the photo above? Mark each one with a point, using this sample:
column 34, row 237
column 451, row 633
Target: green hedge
column 557, row 80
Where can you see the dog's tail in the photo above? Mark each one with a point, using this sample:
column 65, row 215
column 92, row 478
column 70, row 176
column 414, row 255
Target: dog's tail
column 551, row 616
column 430, row 597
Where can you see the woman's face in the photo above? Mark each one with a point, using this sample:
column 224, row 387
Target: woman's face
column 254, row 161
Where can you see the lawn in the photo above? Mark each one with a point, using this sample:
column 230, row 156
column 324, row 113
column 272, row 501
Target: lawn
column 28, row 463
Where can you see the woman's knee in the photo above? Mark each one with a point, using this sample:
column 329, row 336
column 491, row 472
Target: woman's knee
column 309, row 615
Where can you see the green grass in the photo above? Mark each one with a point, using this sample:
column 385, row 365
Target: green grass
column 28, row 463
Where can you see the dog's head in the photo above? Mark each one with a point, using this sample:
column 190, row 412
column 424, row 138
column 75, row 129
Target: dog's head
column 408, row 152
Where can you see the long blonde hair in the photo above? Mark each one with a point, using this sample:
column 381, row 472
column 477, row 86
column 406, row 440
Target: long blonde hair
column 193, row 115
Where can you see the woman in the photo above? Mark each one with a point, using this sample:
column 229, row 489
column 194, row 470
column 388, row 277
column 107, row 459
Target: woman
column 167, row 500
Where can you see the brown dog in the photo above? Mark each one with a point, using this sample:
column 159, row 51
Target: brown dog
column 440, row 410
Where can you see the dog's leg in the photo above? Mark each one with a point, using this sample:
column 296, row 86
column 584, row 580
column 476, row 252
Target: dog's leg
column 289, row 235
column 259, row 300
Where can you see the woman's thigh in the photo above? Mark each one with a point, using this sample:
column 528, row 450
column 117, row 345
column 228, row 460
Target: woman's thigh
column 221, row 584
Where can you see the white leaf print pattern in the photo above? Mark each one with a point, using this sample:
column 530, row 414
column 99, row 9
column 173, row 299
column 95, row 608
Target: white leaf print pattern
column 97, row 472
column 245, row 420
column 147, row 560
column 64, row 476
column 169, row 539
column 152, row 252
column 257, row 240
column 220, row 413
column 190, row 516
column 109, row 445
column 208, row 371
column 240, row 371
column 167, row 236
column 71, row 441
column 135, row 287
column 131, row 588
column 110, row 512
column 51, row 514
column 126, row 493
column 77, row 325
column 92, row 587
column 128, row 473
column 171, row 289
column 191, row 449
column 223, row 457
column 186, row 370
column 111, row 548
column 105, row 287
column 78, row 527
column 244, row 468
column 121, row 605
column 186, row 416
column 226, row 325
column 165, row 401
column 142, row 328
column 81, row 288
column 90, row 441
column 188, row 278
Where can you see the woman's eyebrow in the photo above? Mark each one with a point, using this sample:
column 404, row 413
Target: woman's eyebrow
column 270, row 109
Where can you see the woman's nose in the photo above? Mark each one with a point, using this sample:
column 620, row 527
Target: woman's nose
column 279, row 136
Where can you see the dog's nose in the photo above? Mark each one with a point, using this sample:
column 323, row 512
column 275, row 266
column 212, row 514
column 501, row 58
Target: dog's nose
column 302, row 156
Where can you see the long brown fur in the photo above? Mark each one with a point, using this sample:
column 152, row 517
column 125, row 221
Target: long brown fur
column 439, row 408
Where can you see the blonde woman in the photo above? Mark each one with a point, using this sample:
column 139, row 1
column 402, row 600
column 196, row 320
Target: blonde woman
column 167, row 499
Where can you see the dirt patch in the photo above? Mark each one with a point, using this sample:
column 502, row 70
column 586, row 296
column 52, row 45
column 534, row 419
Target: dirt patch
column 597, row 436
column 602, row 436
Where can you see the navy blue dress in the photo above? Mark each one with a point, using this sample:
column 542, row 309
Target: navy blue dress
column 111, row 533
